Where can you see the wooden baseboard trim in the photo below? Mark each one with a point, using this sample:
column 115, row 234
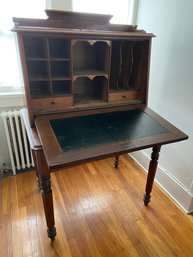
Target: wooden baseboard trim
column 169, row 184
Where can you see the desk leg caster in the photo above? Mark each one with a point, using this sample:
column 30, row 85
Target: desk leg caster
column 151, row 173
column 51, row 232
column 116, row 162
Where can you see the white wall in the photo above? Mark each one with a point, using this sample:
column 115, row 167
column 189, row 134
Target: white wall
column 59, row 4
column 4, row 152
column 171, row 89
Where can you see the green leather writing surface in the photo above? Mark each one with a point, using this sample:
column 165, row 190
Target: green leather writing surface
column 105, row 128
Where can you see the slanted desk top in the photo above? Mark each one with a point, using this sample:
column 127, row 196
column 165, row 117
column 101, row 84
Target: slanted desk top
column 86, row 85
column 76, row 139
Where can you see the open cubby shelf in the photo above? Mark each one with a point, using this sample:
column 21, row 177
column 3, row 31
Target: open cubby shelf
column 129, row 62
column 90, row 70
column 48, row 62
column 43, row 89
column 90, row 57
column 60, row 69
column 39, row 89
column 59, row 48
column 62, row 87
column 35, row 47
column 87, row 90
column 37, row 69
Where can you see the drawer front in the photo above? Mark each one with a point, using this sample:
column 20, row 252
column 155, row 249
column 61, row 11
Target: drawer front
column 52, row 104
column 123, row 96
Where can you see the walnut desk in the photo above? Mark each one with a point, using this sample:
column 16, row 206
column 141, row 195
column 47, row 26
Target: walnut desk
column 86, row 88
column 68, row 140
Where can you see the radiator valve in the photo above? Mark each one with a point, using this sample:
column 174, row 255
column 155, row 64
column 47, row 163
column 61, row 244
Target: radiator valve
column 5, row 169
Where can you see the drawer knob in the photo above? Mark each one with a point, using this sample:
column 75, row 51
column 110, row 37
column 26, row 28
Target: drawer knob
column 53, row 102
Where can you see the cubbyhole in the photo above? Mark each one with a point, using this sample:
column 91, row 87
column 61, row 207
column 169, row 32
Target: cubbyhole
column 35, row 47
column 59, row 48
column 139, row 74
column 37, row 70
column 61, row 87
column 90, row 58
column 89, row 91
column 129, row 64
column 60, row 69
column 39, row 89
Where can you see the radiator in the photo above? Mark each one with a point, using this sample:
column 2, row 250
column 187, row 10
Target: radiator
column 18, row 144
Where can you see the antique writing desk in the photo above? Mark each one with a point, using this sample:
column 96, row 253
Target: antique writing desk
column 86, row 84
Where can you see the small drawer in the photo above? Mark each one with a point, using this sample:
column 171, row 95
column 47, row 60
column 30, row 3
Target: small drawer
column 123, row 96
column 52, row 103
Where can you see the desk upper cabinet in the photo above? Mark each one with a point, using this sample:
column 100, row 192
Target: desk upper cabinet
column 73, row 60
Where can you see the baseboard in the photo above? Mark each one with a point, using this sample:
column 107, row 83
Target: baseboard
column 191, row 206
column 168, row 183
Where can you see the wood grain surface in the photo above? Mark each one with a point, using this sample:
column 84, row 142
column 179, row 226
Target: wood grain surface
column 99, row 211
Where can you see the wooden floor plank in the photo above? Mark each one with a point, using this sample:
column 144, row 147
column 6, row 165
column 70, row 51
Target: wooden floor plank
column 15, row 219
column 99, row 212
column 5, row 218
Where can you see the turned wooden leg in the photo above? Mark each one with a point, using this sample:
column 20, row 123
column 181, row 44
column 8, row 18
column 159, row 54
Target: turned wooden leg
column 37, row 174
column 116, row 162
column 151, row 173
column 46, row 190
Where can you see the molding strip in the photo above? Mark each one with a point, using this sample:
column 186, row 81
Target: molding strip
column 168, row 183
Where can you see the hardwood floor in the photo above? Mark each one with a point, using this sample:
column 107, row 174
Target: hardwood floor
column 99, row 211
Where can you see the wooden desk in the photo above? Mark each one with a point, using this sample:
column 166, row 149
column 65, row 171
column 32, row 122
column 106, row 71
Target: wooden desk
column 67, row 139
column 86, row 88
